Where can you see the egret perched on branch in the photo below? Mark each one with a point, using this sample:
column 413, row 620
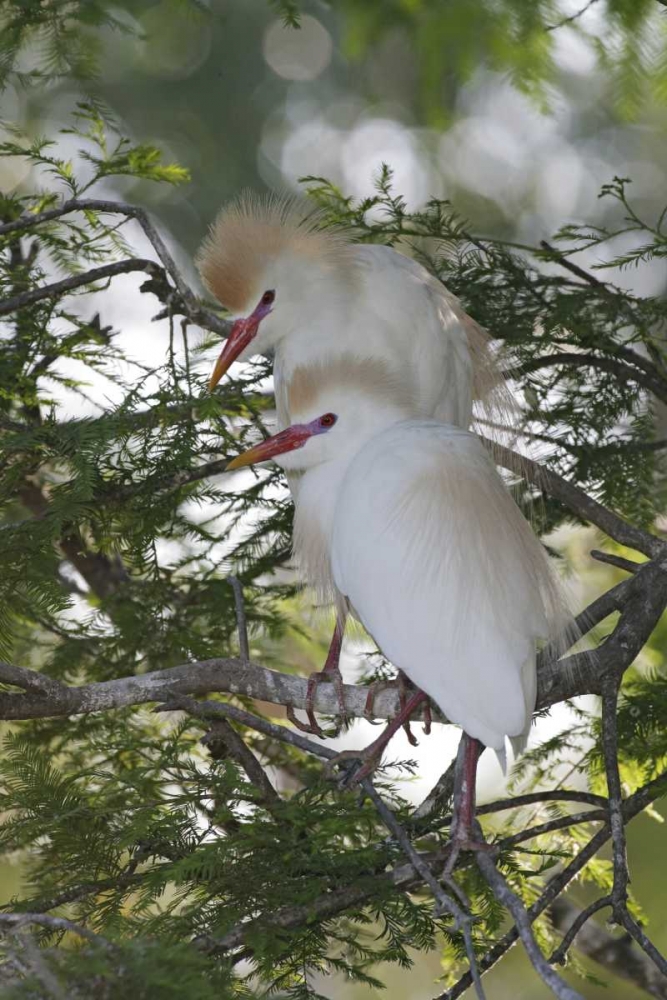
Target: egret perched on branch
column 433, row 556
column 335, row 313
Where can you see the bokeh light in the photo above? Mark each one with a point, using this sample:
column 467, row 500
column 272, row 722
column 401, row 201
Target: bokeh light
column 298, row 55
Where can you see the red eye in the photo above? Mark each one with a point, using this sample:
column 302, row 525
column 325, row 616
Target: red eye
column 268, row 298
column 328, row 420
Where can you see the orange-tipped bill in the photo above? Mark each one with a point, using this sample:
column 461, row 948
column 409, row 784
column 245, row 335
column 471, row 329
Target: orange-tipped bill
column 288, row 440
column 242, row 333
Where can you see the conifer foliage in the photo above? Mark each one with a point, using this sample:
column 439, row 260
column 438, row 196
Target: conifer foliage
column 177, row 838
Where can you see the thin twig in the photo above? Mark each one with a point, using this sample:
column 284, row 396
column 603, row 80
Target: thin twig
column 569, row 265
column 551, row 825
column 530, row 798
column 219, row 709
column 444, row 901
column 241, row 620
column 613, row 560
column 619, row 892
column 635, row 931
column 222, row 730
column 76, row 281
column 15, row 920
column 441, row 793
column 566, row 21
column 624, row 372
column 196, row 312
column 616, row 954
column 559, row 955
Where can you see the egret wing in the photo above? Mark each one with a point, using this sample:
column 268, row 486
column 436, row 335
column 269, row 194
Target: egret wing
column 407, row 316
column 445, row 573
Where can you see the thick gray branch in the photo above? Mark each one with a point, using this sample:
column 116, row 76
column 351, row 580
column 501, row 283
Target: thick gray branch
column 581, row 673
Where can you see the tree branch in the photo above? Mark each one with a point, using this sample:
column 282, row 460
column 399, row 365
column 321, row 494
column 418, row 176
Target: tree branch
column 615, row 954
column 76, row 281
column 569, row 20
column 524, row 927
column 613, row 560
column 579, row 502
column 238, row 751
column 103, row 574
column 624, row 372
column 633, row 805
column 191, row 306
column 16, row 920
column 346, row 898
column 645, row 597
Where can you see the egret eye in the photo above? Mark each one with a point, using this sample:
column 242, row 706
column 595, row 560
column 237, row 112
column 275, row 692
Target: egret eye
column 268, row 298
column 328, row 420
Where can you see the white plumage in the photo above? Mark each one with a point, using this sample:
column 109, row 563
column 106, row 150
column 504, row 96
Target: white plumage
column 399, row 510
column 431, row 552
column 411, row 336
column 344, row 315
column 445, row 573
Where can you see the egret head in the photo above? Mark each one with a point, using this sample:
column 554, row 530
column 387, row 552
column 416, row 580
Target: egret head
column 330, row 425
column 270, row 262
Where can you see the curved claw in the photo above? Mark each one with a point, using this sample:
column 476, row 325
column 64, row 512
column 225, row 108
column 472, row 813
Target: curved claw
column 428, row 719
column 372, row 754
column 311, row 727
column 373, row 692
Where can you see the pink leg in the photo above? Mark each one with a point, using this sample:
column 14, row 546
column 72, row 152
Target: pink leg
column 465, row 776
column 465, row 779
column 372, row 754
column 331, row 671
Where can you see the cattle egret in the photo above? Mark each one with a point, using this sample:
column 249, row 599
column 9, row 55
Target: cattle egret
column 434, row 558
column 337, row 314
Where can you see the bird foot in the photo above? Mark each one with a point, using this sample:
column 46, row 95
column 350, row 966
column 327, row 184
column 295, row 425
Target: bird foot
column 368, row 758
column 405, row 687
column 372, row 754
column 329, row 674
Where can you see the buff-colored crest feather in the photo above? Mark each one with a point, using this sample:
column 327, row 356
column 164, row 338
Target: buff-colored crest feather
column 250, row 232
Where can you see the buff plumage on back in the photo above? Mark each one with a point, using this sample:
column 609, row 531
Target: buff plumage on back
column 252, row 231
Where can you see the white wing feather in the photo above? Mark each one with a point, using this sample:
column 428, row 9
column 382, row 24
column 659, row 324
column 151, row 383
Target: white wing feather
column 446, row 574
column 403, row 313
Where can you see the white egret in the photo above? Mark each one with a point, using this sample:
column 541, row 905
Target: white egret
column 335, row 313
column 434, row 557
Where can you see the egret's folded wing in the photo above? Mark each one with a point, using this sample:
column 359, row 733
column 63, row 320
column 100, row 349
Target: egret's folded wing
column 445, row 573
column 410, row 318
